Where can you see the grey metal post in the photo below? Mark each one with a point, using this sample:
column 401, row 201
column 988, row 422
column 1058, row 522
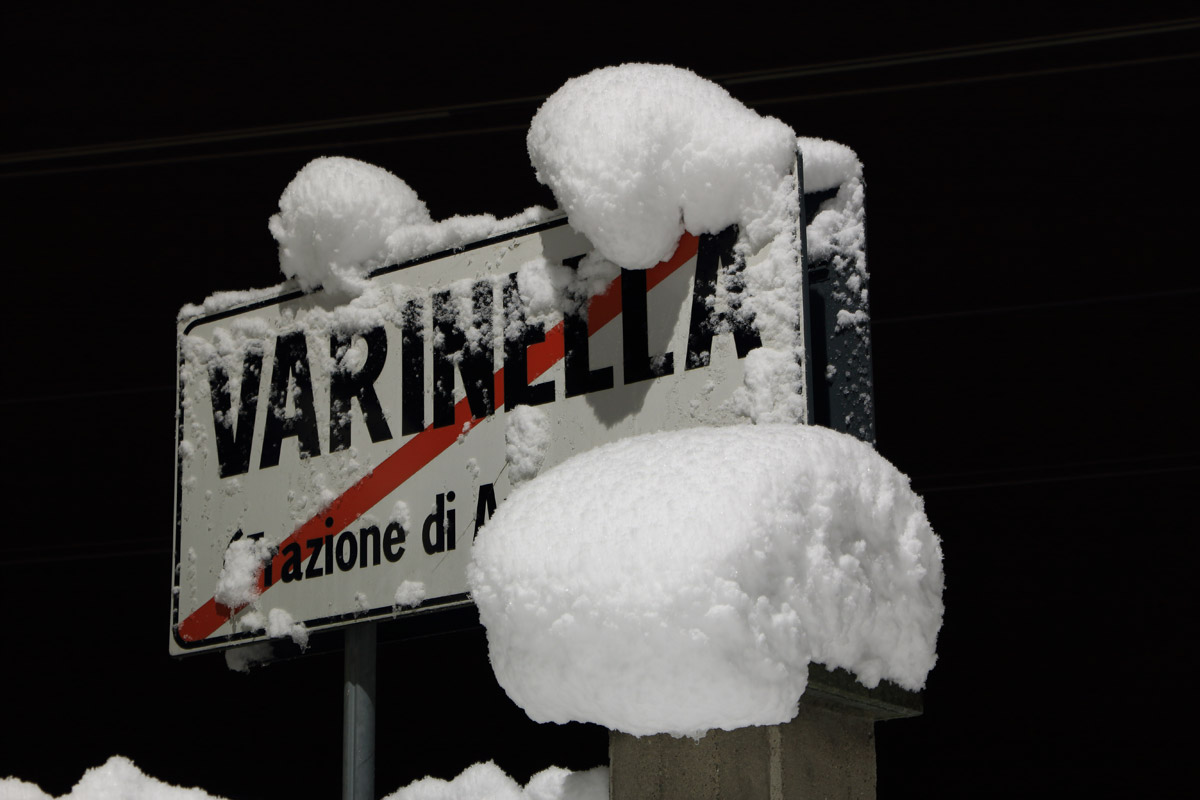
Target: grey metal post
column 358, row 714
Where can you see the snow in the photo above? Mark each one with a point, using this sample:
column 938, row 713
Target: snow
column 671, row 582
column 771, row 387
column 679, row 582
column 237, row 584
column 117, row 778
column 837, row 244
column 340, row 218
column 278, row 624
column 334, row 219
column 827, row 165
column 120, row 778
column 488, row 781
column 526, row 438
column 409, row 594
column 221, row 301
column 639, row 153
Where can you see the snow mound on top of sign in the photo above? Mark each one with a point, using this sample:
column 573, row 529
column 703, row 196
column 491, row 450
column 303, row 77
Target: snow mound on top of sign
column 639, row 153
column 340, row 218
column 683, row 581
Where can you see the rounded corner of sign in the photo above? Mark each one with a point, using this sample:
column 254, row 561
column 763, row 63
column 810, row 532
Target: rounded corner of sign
column 177, row 646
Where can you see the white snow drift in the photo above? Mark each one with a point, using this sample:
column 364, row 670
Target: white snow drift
column 678, row 582
column 116, row 778
column 638, row 154
column 120, row 779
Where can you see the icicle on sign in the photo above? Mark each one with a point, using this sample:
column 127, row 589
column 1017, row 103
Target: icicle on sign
column 358, row 448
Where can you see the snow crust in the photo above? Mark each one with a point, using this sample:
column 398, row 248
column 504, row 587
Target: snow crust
column 487, row 780
column 679, row 582
column 639, row 153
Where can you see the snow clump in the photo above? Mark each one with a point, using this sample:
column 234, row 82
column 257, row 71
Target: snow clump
column 683, row 581
column 341, row 218
column 526, row 439
column 639, row 153
column 334, row 220
column 237, row 584
column 118, row 777
column 827, row 165
column 489, row 781
column 409, row 594
column 278, row 624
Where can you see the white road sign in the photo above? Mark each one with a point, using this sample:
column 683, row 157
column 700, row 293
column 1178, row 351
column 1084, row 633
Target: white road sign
column 364, row 444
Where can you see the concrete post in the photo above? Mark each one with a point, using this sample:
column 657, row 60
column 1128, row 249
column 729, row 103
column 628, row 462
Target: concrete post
column 827, row 751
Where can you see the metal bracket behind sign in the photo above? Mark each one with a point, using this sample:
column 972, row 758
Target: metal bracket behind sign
column 842, row 393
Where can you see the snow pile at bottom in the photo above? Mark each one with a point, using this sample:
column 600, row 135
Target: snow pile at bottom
column 683, row 581
column 117, row 778
column 489, row 781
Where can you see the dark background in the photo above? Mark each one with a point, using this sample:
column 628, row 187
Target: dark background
column 1031, row 211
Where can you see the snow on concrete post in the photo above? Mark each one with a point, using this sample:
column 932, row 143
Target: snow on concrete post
column 686, row 583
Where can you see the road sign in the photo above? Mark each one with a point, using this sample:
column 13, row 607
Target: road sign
column 361, row 446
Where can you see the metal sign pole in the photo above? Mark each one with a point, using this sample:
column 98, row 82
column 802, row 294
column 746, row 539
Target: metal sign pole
column 358, row 714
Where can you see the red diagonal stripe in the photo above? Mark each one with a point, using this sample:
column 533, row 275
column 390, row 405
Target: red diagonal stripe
column 419, row 451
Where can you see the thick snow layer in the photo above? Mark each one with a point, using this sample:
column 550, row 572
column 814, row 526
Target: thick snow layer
column 117, row 778
column 639, row 153
column 334, row 219
column 340, row 218
column 827, row 165
column 679, row 582
column 489, row 781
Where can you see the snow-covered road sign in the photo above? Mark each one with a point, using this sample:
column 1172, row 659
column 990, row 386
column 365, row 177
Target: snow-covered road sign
column 335, row 461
